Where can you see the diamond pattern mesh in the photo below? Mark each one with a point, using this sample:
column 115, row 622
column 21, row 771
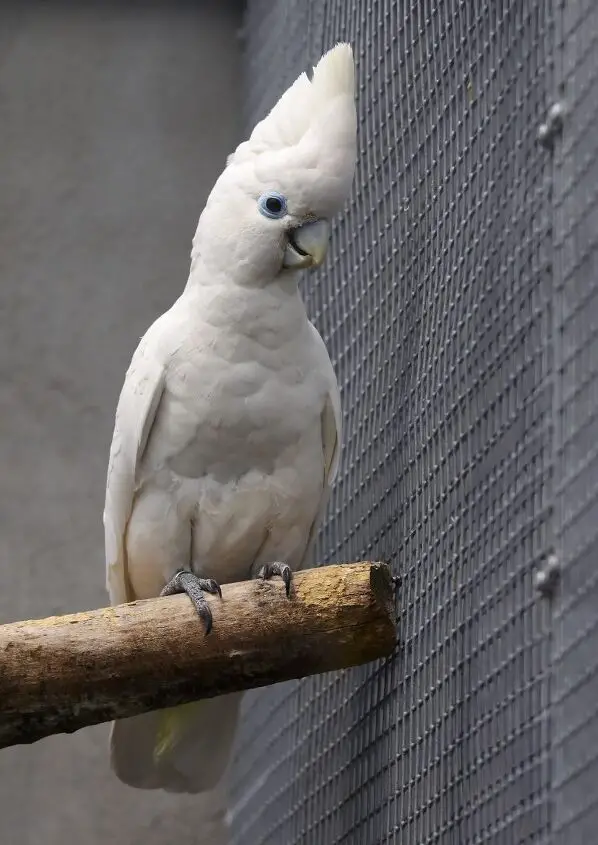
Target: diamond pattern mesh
column 437, row 306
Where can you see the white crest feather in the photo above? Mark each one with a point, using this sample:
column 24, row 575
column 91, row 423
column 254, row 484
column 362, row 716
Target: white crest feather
column 334, row 75
column 301, row 104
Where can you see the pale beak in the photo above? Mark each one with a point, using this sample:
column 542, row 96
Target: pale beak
column 307, row 245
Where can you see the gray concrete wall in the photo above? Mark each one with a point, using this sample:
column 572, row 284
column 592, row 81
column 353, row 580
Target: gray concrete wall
column 113, row 125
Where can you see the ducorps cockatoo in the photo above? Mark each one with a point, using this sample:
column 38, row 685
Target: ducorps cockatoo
column 228, row 425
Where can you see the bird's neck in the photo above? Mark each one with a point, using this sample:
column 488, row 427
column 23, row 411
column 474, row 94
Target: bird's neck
column 270, row 309
column 238, row 276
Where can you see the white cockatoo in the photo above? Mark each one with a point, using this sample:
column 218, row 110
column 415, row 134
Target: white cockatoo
column 228, row 426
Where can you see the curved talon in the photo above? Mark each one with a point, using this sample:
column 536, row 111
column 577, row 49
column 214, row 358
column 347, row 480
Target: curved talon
column 276, row 568
column 211, row 586
column 205, row 614
column 185, row 581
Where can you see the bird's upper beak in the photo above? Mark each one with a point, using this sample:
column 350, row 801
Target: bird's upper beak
column 307, row 245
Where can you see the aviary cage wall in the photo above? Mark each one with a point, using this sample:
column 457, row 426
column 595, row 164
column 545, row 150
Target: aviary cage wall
column 460, row 303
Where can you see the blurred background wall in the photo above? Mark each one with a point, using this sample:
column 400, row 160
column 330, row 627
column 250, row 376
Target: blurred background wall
column 115, row 120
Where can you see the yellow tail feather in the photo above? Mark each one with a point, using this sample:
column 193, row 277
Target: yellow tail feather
column 171, row 729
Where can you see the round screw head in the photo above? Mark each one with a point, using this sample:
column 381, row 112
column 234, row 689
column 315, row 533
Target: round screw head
column 543, row 134
column 556, row 113
column 546, row 578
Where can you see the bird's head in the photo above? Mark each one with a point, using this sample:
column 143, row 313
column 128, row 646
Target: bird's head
column 269, row 212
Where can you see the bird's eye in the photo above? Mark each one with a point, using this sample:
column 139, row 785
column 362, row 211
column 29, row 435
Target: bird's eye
column 273, row 205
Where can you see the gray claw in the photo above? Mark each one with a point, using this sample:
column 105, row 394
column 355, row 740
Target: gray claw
column 185, row 581
column 285, row 572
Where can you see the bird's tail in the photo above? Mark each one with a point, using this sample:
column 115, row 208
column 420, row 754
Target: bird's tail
column 180, row 749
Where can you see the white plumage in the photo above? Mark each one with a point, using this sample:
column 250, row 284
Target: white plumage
column 228, row 425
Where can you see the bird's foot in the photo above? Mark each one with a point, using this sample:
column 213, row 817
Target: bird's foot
column 285, row 572
column 185, row 581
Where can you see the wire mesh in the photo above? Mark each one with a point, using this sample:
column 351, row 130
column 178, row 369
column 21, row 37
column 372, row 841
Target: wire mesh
column 436, row 305
column 574, row 715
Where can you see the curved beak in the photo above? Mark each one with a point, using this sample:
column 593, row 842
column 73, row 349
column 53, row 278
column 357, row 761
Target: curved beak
column 307, row 245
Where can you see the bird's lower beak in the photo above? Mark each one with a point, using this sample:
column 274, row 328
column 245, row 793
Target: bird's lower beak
column 307, row 245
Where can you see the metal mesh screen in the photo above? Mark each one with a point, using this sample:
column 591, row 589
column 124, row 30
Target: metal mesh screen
column 437, row 307
column 574, row 715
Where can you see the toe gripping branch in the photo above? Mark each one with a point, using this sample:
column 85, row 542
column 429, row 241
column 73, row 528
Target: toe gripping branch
column 270, row 569
column 185, row 581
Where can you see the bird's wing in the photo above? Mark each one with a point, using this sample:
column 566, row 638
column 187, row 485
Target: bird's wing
column 331, row 425
column 137, row 407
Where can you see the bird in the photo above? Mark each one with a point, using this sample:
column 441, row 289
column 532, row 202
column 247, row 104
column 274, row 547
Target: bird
column 228, row 426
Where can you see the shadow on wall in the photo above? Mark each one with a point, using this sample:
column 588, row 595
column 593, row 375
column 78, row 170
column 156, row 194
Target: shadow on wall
column 115, row 123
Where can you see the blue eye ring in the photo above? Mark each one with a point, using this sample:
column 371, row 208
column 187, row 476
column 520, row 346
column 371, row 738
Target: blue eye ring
column 272, row 205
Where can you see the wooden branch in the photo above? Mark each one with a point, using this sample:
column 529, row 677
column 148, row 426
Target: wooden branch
column 67, row 672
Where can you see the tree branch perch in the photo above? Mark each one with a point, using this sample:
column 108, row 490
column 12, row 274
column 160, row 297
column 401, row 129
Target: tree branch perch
column 68, row 672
